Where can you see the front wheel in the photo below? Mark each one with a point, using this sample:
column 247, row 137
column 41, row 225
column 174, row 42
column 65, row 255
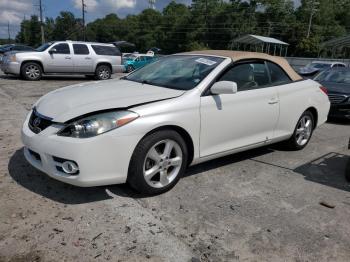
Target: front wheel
column 129, row 68
column 158, row 162
column 103, row 72
column 31, row 71
column 303, row 132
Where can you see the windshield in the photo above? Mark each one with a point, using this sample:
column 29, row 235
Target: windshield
column 181, row 72
column 335, row 76
column 43, row 47
column 318, row 65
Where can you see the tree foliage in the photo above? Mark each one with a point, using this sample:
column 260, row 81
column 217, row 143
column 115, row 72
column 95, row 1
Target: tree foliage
column 205, row 24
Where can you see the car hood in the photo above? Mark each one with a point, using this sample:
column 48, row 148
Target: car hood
column 336, row 88
column 73, row 101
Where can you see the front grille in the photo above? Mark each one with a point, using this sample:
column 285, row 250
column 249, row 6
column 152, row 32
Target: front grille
column 337, row 99
column 38, row 123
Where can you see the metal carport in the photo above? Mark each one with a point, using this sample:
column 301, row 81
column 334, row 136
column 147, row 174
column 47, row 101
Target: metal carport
column 260, row 43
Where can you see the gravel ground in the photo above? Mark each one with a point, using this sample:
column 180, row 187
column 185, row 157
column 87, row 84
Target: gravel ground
column 261, row 205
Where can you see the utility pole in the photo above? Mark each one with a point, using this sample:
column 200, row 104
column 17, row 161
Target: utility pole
column 83, row 10
column 8, row 31
column 313, row 10
column 41, row 23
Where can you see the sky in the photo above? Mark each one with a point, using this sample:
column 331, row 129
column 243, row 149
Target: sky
column 13, row 11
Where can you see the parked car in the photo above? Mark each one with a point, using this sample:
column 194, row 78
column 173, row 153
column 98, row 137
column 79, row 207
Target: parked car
column 318, row 66
column 135, row 61
column 181, row 110
column 13, row 47
column 337, row 83
column 65, row 57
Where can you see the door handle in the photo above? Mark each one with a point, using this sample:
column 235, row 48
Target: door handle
column 68, row 57
column 273, row 101
column 87, row 58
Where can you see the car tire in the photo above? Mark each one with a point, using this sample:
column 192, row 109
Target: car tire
column 31, row 71
column 154, row 168
column 302, row 132
column 129, row 68
column 103, row 72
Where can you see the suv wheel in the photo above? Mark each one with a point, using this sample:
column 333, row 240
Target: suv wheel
column 103, row 72
column 158, row 162
column 31, row 71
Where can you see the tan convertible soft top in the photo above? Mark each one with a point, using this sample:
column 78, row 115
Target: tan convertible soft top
column 239, row 55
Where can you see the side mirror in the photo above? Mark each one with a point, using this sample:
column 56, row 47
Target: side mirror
column 52, row 51
column 224, row 87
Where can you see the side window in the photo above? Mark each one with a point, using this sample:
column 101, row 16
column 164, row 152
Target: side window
column 62, row 49
column 278, row 76
column 106, row 50
column 80, row 49
column 341, row 65
column 247, row 76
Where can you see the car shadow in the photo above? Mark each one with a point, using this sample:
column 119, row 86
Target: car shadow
column 49, row 77
column 328, row 170
column 339, row 121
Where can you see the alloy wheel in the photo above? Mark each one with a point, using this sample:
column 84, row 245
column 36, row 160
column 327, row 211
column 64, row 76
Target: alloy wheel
column 104, row 74
column 304, row 130
column 162, row 163
column 32, row 71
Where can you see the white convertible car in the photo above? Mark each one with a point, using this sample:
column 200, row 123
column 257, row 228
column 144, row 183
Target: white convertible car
column 148, row 126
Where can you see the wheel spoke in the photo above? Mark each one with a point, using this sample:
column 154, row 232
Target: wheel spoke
column 300, row 139
column 164, row 178
column 307, row 124
column 151, row 172
column 176, row 161
column 154, row 155
column 169, row 145
column 299, row 131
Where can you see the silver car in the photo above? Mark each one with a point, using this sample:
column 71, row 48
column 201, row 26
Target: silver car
column 65, row 57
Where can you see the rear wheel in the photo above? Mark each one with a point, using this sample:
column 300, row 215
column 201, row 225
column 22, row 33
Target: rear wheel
column 129, row 68
column 103, row 72
column 31, row 71
column 303, row 132
column 158, row 162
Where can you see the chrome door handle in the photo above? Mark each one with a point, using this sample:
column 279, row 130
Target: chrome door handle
column 273, row 101
column 68, row 57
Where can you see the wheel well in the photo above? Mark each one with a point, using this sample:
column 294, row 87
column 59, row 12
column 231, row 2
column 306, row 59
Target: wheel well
column 104, row 63
column 314, row 113
column 33, row 61
column 184, row 134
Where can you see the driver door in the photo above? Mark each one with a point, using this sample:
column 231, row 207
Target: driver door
column 60, row 59
column 246, row 118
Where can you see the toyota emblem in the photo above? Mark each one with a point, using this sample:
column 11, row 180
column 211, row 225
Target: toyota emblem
column 36, row 122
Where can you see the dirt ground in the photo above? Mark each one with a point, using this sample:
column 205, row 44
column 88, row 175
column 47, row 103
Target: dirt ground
column 261, row 205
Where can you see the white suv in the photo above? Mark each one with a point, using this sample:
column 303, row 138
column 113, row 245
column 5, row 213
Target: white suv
column 65, row 57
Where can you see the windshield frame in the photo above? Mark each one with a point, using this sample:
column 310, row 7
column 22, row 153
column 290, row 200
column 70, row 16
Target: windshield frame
column 218, row 60
column 44, row 47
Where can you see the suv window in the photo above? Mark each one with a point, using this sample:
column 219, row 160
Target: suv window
column 62, row 49
column 106, row 50
column 247, row 76
column 278, row 76
column 80, row 49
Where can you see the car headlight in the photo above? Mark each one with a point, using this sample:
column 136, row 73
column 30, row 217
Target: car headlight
column 97, row 124
column 13, row 58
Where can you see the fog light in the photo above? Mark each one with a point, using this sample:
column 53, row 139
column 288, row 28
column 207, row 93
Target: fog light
column 70, row 167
